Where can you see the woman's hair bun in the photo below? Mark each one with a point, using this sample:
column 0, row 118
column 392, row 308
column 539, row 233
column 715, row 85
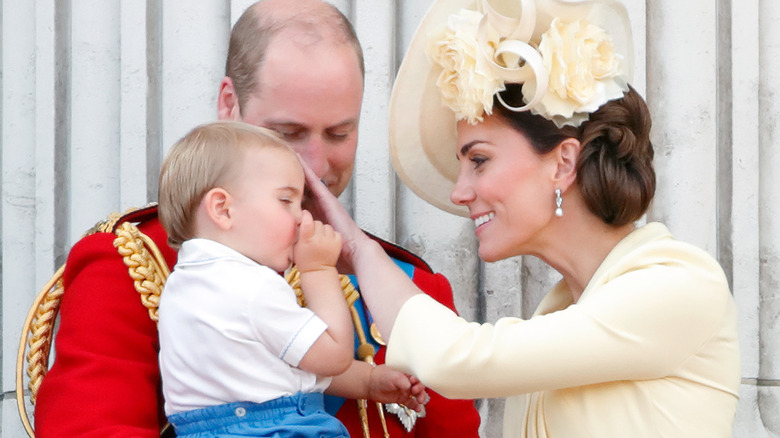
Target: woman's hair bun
column 615, row 171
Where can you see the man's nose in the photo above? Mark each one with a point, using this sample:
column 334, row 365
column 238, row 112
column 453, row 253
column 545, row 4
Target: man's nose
column 315, row 155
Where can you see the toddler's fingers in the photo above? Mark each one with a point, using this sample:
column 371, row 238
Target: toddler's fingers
column 332, row 233
column 318, row 227
column 307, row 225
column 413, row 404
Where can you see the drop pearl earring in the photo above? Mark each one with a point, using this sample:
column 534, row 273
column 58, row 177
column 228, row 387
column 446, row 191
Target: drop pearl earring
column 558, row 202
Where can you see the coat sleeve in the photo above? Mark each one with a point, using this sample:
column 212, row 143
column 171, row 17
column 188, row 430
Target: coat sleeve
column 105, row 381
column 444, row 416
column 640, row 325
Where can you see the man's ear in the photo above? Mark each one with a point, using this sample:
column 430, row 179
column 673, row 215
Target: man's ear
column 227, row 101
column 567, row 155
column 217, row 203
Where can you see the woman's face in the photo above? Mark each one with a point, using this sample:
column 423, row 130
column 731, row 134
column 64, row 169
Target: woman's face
column 507, row 187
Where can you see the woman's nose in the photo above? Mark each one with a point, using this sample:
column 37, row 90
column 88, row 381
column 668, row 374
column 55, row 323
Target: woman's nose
column 462, row 193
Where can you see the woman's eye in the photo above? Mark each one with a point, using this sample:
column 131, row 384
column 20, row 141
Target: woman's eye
column 478, row 160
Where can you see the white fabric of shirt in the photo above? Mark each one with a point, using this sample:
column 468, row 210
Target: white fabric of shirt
column 649, row 350
column 231, row 330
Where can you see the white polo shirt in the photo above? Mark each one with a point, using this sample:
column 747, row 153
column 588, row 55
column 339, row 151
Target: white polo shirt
column 231, row 330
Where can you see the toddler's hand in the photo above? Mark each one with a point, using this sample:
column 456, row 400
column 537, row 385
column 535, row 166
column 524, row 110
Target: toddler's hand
column 318, row 245
column 387, row 385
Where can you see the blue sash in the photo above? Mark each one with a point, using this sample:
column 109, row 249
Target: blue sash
column 333, row 403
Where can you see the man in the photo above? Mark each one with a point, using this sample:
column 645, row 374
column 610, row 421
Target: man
column 295, row 67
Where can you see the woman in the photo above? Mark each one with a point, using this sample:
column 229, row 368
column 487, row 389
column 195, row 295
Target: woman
column 639, row 337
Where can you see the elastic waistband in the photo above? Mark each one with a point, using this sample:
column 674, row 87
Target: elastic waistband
column 212, row 417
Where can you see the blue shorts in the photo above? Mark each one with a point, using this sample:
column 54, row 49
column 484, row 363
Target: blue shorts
column 297, row 416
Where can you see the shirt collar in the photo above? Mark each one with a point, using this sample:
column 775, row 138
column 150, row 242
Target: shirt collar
column 199, row 250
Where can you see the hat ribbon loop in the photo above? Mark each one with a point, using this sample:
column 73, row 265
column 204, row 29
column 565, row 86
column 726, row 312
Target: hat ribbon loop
column 512, row 28
column 521, row 61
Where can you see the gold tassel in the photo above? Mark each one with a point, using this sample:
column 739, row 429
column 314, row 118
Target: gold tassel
column 365, row 350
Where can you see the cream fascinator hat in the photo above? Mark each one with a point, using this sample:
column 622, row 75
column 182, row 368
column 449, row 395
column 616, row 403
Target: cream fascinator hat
column 571, row 56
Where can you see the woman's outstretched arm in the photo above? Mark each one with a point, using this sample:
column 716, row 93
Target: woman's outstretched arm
column 384, row 286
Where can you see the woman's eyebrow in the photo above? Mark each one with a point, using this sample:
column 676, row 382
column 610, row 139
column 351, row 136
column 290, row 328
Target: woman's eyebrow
column 466, row 147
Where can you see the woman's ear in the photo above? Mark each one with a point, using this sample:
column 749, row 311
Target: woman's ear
column 227, row 101
column 567, row 155
column 217, row 203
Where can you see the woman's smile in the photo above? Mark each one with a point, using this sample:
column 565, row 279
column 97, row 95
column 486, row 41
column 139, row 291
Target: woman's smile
column 484, row 218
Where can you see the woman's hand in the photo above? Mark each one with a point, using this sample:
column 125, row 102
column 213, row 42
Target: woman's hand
column 327, row 208
column 383, row 285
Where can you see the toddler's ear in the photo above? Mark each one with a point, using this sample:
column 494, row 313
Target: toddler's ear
column 217, row 202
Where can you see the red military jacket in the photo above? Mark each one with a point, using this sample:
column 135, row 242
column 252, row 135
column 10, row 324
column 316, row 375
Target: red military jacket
column 105, row 380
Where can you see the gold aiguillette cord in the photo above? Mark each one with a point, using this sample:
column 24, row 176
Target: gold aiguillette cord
column 366, row 354
column 365, row 350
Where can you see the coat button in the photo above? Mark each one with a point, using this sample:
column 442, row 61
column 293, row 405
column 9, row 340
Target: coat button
column 240, row 412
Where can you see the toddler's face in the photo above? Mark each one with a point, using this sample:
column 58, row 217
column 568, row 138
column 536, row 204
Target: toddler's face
column 266, row 208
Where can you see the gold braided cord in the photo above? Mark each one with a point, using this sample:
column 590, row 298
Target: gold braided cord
column 366, row 353
column 37, row 332
column 293, row 276
column 40, row 337
column 365, row 350
column 145, row 265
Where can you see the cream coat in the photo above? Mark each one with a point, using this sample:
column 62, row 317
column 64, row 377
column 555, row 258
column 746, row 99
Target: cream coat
column 649, row 350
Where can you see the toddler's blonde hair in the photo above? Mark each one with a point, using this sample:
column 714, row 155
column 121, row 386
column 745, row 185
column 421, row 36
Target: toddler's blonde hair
column 199, row 162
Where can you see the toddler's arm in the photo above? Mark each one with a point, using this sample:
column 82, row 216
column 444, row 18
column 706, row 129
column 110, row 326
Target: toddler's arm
column 316, row 254
column 381, row 384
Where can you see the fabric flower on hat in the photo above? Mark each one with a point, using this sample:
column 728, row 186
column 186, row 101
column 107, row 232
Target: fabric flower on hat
column 466, row 82
column 584, row 72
